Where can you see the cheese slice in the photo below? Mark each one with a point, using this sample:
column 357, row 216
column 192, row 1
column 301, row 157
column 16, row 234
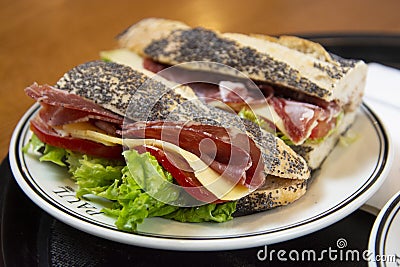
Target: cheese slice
column 104, row 138
column 210, row 179
column 123, row 56
column 85, row 130
column 267, row 112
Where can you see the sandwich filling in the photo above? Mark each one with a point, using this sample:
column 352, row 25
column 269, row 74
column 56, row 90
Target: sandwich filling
column 211, row 163
column 295, row 117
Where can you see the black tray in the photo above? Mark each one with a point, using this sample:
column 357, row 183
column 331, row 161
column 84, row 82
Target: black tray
column 31, row 237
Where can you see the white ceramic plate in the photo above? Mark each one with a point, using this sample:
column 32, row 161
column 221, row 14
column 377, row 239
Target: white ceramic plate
column 384, row 241
column 347, row 179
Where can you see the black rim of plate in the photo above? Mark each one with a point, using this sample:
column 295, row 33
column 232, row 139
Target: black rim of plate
column 384, row 225
column 375, row 174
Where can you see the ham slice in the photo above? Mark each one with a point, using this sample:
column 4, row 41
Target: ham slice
column 303, row 120
column 233, row 91
column 58, row 115
column 68, row 108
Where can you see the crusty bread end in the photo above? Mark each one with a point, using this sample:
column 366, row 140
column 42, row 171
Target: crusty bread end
column 276, row 192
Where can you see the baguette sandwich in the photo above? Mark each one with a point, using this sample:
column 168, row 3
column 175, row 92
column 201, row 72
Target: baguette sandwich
column 214, row 161
column 311, row 96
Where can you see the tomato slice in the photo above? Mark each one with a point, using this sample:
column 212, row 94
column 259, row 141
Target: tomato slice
column 322, row 129
column 47, row 135
column 178, row 167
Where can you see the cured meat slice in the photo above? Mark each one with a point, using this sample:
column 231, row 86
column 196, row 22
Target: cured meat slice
column 302, row 120
column 58, row 115
column 60, row 98
column 232, row 154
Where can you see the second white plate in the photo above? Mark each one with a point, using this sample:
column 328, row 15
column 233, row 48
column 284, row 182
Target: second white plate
column 384, row 242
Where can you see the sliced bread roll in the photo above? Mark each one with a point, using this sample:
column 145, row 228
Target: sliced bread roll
column 285, row 62
column 290, row 62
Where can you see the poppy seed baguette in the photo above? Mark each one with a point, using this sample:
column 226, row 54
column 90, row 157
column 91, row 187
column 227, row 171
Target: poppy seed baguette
column 290, row 62
column 286, row 61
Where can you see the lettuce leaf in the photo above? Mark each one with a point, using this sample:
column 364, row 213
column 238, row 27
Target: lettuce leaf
column 210, row 212
column 94, row 176
column 50, row 153
column 33, row 144
column 151, row 176
column 248, row 114
column 348, row 138
column 134, row 205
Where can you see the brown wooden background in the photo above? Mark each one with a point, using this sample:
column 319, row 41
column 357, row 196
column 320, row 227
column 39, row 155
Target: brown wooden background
column 42, row 39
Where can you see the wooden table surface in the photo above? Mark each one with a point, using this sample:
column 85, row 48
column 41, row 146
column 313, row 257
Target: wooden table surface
column 42, row 39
